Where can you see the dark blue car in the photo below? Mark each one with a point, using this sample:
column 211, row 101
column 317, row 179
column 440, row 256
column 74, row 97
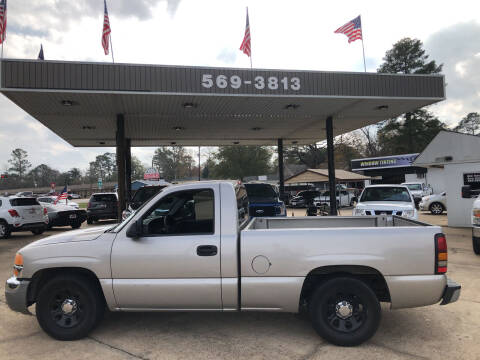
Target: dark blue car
column 264, row 200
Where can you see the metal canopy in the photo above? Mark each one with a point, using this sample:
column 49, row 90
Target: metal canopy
column 206, row 106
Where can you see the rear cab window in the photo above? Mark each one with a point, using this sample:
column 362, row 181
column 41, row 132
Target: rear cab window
column 104, row 198
column 24, row 202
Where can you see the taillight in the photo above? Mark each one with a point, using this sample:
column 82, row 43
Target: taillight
column 13, row 213
column 441, row 254
column 89, row 205
column 45, row 212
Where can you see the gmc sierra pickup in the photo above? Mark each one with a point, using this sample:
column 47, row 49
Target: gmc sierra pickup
column 193, row 248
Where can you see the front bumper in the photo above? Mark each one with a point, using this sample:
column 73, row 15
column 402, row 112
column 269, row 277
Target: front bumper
column 16, row 294
column 451, row 292
column 423, row 206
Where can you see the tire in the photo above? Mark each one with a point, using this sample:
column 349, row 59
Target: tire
column 89, row 221
column 49, row 226
column 345, row 294
column 4, row 231
column 38, row 231
column 81, row 295
column 76, row 225
column 476, row 245
column 436, row 208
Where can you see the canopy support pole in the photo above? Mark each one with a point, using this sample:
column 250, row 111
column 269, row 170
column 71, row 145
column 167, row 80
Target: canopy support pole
column 128, row 168
column 281, row 180
column 331, row 166
column 121, row 176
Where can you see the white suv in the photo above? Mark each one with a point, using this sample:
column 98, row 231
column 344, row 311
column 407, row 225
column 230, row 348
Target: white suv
column 21, row 214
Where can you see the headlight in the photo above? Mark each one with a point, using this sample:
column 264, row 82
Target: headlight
column 408, row 213
column 18, row 265
column 359, row 212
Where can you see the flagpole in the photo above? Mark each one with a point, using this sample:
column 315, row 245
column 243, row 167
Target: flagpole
column 111, row 46
column 363, row 49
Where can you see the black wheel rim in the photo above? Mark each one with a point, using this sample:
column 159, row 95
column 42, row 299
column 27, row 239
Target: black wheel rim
column 66, row 308
column 345, row 312
column 3, row 230
column 436, row 208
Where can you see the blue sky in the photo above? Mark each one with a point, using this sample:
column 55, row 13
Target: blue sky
column 285, row 35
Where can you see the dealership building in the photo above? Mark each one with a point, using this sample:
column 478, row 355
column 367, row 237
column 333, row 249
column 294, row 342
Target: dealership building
column 123, row 105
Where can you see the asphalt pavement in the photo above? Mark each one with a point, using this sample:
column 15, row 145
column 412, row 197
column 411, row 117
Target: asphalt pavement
column 433, row 332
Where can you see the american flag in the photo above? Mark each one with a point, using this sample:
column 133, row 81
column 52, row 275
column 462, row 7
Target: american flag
column 3, row 20
column 353, row 29
column 106, row 30
column 63, row 195
column 246, row 45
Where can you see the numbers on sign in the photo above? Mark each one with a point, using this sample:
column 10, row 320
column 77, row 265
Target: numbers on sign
column 222, row 81
column 295, row 83
column 259, row 82
column 284, row 81
column 207, row 81
column 235, row 81
column 272, row 83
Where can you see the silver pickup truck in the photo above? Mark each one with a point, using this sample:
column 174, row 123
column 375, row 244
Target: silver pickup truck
column 193, row 248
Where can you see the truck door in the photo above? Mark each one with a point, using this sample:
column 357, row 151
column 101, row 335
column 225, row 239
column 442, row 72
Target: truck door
column 175, row 263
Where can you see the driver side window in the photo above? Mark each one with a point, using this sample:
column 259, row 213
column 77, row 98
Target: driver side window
column 183, row 212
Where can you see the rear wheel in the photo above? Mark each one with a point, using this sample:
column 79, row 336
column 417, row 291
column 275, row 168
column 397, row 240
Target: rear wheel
column 436, row 208
column 4, row 231
column 69, row 307
column 76, row 225
column 476, row 245
column 345, row 311
column 89, row 221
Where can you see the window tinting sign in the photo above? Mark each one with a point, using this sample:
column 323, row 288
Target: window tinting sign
column 472, row 179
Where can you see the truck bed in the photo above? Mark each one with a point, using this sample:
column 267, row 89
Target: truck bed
column 316, row 222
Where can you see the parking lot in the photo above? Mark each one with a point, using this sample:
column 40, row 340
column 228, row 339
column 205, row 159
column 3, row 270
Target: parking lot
column 434, row 332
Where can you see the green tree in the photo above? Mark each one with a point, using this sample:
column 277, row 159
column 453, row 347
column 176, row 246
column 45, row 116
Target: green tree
column 310, row 155
column 396, row 137
column 469, row 124
column 237, row 162
column 174, row 162
column 43, row 175
column 104, row 166
column 137, row 168
column 19, row 163
column 408, row 57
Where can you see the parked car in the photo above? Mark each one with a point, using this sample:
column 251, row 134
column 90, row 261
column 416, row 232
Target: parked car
column 74, row 196
column 102, row 206
column 468, row 193
column 21, row 214
column 141, row 196
column 192, row 247
column 303, row 198
column 344, row 198
column 25, row 194
column 386, row 199
column 53, row 199
column 436, row 203
column 418, row 190
column 60, row 214
column 264, row 200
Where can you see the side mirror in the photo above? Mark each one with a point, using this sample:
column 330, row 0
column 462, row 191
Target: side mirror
column 135, row 230
column 466, row 191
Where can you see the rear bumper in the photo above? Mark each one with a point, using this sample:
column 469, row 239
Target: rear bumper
column 16, row 294
column 451, row 292
column 102, row 214
column 59, row 219
column 27, row 227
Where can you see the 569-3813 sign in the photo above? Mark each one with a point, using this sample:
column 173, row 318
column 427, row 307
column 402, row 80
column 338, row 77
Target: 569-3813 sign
column 258, row 82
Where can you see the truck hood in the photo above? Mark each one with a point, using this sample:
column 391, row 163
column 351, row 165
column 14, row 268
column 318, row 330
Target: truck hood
column 70, row 236
column 385, row 205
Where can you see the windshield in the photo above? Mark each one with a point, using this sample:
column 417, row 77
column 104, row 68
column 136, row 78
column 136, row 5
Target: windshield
column 414, row 187
column 386, row 194
column 260, row 191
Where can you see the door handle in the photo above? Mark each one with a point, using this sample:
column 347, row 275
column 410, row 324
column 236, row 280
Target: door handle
column 207, row 250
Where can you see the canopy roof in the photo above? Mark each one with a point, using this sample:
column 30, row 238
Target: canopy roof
column 79, row 101
column 321, row 175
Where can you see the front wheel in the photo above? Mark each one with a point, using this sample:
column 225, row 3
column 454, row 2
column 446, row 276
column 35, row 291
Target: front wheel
column 345, row 311
column 76, row 225
column 69, row 307
column 476, row 245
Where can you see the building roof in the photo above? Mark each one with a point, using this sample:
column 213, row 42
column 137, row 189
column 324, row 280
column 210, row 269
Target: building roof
column 79, row 101
column 321, row 175
column 450, row 147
